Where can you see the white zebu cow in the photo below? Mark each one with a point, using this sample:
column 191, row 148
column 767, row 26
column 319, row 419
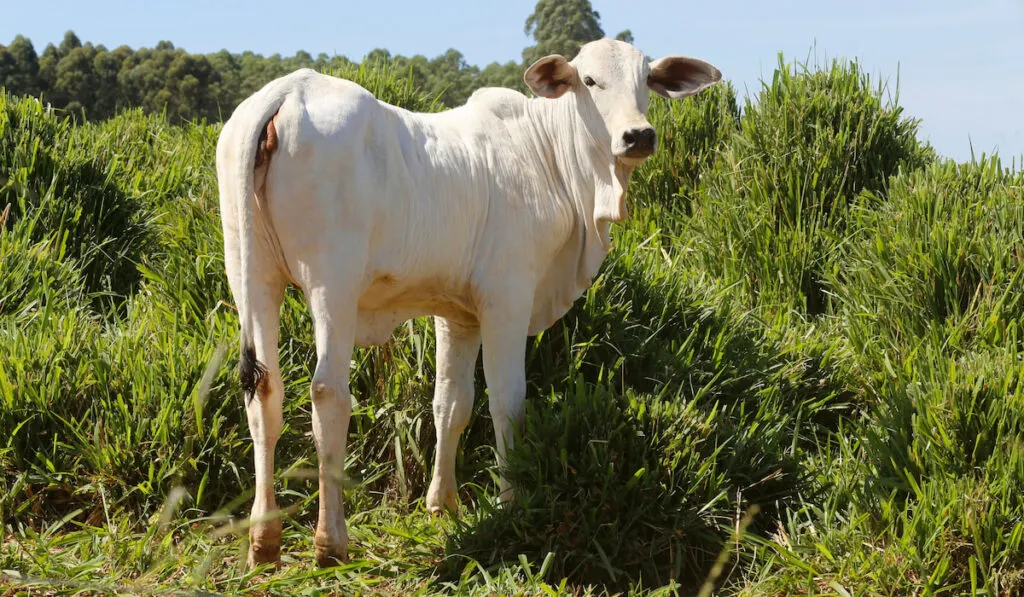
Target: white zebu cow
column 493, row 217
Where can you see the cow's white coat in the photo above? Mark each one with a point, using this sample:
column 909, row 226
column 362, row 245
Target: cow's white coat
column 493, row 217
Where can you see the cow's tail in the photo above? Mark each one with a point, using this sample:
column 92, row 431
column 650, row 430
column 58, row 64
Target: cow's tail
column 243, row 175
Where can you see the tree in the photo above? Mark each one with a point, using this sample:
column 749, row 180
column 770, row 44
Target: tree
column 97, row 83
column 48, row 73
column 226, row 90
column 417, row 69
column 452, row 78
column 19, row 68
column 561, row 27
column 107, row 101
column 508, row 75
column 377, row 57
column 77, row 83
column 71, row 42
column 191, row 79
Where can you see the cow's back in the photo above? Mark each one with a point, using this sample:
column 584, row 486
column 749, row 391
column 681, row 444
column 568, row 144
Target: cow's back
column 435, row 199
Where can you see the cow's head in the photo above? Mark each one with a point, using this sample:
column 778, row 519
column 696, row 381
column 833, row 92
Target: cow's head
column 615, row 76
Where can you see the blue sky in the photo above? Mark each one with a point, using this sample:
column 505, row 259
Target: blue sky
column 960, row 64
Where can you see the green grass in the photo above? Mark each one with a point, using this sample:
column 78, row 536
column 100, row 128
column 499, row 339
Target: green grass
column 798, row 372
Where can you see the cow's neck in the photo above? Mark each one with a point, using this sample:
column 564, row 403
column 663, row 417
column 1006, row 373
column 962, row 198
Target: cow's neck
column 572, row 131
column 592, row 182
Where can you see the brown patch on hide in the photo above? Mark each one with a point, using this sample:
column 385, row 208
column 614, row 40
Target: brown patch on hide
column 423, row 296
column 268, row 142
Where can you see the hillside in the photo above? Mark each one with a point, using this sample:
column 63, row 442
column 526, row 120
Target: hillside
column 802, row 359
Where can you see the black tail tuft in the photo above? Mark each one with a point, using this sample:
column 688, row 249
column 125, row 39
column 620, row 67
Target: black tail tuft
column 250, row 371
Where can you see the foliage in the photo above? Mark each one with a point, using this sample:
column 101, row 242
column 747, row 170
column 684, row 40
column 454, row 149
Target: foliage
column 807, row 146
column 561, row 27
column 797, row 373
column 90, row 223
column 96, row 83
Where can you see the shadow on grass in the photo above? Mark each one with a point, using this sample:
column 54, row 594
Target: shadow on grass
column 674, row 417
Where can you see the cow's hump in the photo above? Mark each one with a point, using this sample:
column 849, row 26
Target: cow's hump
column 501, row 102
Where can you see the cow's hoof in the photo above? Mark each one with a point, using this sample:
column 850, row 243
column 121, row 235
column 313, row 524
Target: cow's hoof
column 264, row 554
column 265, row 543
column 328, row 554
column 439, row 511
column 505, row 495
column 440, row 502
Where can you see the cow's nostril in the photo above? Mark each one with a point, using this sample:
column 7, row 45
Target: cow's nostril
column 640, row 141
column 645, row 137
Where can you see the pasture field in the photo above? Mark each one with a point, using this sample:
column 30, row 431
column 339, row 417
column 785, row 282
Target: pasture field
column 799, row 372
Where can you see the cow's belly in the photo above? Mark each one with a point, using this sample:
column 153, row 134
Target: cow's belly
column 386, row 304
column 376, row 327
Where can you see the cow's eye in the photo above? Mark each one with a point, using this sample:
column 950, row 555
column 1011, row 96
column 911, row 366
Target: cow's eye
column 588, row 82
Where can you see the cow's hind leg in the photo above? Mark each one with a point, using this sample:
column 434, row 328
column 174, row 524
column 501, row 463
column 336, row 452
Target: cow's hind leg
column 263, row 411
column 334, row 310
column 457, row 349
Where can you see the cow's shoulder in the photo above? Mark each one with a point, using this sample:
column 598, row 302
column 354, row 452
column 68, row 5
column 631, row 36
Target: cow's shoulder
column 499, row 101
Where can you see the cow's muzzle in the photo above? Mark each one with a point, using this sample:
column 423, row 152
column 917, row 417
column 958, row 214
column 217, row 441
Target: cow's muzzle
column 639, row 143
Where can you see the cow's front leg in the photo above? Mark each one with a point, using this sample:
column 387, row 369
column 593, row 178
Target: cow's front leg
column 504, row 327
column 457, row 349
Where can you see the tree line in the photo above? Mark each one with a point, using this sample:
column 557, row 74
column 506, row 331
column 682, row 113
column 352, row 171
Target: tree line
column 93, row 82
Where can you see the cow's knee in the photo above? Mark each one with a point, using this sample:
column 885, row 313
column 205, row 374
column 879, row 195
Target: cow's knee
column 332, row 410
column 330, row 388
column 322, row 391
column 331, row 396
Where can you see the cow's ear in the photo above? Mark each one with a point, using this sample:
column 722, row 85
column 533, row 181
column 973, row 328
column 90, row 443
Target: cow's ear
column 680, row 76
column 550, row 76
